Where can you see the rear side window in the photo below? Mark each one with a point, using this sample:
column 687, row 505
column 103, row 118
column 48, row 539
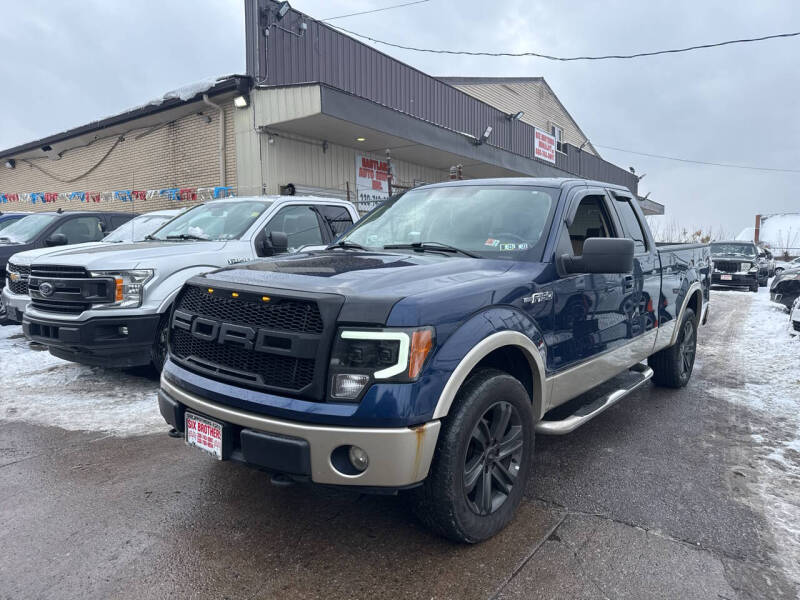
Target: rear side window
column 631, row 223
column 337, row 217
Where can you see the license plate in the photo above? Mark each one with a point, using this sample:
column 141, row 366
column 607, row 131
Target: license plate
column 204, row 434
column 726, row 277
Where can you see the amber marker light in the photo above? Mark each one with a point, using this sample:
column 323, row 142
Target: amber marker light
column 421, row 345
column 265, row 298
column 235, row 294
column 118, row 296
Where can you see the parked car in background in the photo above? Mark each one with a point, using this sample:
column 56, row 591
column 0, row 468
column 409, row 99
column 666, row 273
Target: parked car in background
column 110, row 306
column 425, row 347
column 15, row 294
column 7, row 218
column 55, row 228
column 767, row 260
column 782, row 265
column 794, row 314
column 785, row 287
column 737, row 264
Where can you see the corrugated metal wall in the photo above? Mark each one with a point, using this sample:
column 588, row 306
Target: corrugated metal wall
column 326, row 56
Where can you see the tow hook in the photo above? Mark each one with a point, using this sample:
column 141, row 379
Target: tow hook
column 174, row 433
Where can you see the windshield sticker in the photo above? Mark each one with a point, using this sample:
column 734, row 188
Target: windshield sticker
column 491, row 242
column 508, row 246
column 523, row 247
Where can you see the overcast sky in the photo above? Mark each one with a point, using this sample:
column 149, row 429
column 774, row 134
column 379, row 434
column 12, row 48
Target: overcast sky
column 70, row 62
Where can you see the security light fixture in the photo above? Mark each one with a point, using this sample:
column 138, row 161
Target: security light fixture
column 361, row 139
column 485, row 136
column 241, row 101
column 11, row 163
column 515, row 116
column 283, row 8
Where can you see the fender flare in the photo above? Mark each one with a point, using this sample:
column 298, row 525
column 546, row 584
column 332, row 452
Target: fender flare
column 196, row 270
column 483, row 348
column 694, row 289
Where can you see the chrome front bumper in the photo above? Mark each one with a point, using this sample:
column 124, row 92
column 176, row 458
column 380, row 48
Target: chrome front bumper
column 398, row 457
column 15, row 303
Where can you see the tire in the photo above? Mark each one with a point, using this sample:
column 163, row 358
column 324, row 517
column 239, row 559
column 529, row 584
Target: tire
column 672, row 367
column 754, row 287
column 763, row 282
column 778, row 270
column 488, row 399
column 158, row 353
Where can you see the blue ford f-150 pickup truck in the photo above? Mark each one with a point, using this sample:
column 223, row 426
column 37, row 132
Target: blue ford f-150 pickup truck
column 426, row 346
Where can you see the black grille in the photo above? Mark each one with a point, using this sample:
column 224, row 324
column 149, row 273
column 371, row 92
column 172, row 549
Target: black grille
column 60, row 271
column 21, row 285
column 234, row 362
column 67, row 308
column 727, row 266
column 18, row 287
column 280, row 314
column 294, row 352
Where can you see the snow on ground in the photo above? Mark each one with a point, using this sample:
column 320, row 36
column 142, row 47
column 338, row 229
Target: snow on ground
column 42, row 389
column 768, row 355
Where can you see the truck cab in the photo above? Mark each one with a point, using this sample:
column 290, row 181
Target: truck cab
column 426, row 347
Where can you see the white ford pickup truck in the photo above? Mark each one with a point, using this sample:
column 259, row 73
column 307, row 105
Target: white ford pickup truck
column 109, row 306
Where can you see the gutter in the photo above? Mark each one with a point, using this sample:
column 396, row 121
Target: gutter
column 221, row 112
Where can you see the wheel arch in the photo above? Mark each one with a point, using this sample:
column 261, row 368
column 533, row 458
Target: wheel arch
column 693, row 300
column 509, row 351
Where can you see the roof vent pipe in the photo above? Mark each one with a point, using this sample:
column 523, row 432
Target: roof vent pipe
column 221, row 137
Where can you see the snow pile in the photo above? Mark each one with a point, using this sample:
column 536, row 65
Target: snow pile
column 769, row 357
column 41, row 389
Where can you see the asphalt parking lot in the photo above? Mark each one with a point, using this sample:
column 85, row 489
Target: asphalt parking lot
column 670, row 494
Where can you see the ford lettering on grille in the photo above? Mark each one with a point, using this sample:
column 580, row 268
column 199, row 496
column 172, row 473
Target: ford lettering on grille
column 209, row 330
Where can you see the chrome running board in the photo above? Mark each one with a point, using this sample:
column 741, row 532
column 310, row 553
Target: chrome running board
column 637, row 375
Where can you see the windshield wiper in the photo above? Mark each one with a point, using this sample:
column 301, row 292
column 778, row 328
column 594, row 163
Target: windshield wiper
column 187, row 236
column 150, row 237
column 431, row 246
column 346, row 245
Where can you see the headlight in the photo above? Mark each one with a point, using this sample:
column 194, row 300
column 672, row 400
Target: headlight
column 364, row 356
column 750, row 267
column 128, row 287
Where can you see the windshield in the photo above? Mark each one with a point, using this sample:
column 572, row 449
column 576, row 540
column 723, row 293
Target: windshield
column 214, row 221
column 26, row 229
column 9, row 221
column 731, row 249
column 136, row 229
column 491, row 221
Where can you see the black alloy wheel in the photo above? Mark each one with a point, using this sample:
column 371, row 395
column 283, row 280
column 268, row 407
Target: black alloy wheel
column 493, row 458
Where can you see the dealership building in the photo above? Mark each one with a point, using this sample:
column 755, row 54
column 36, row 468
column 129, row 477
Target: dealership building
column 317, row 112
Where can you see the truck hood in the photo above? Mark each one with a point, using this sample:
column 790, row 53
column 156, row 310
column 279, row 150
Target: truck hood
column 28, row 256
column 362, row 273
column 733, row 258
column 109, row 257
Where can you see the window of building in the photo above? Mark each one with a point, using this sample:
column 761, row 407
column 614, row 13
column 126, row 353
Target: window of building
column 558, row 133
column 591, row 221
column 630, row 221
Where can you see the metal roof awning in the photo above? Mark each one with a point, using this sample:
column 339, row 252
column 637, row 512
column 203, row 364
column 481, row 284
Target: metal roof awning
column 322, row 113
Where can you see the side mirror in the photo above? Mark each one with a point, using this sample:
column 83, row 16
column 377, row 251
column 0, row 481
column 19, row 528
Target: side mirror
column 602, row 255
column 57, row 239
column 277, row 242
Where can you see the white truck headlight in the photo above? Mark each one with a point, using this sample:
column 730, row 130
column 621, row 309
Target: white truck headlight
column 128, row 287
column 749, row 267
column 363, row 356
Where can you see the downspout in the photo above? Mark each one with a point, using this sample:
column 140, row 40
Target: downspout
column 221, row 138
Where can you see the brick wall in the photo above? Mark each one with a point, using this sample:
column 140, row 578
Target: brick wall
column 183, row 154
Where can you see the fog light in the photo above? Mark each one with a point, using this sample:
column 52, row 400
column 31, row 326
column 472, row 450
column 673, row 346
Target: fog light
column 358, row 458
column 348, row 386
